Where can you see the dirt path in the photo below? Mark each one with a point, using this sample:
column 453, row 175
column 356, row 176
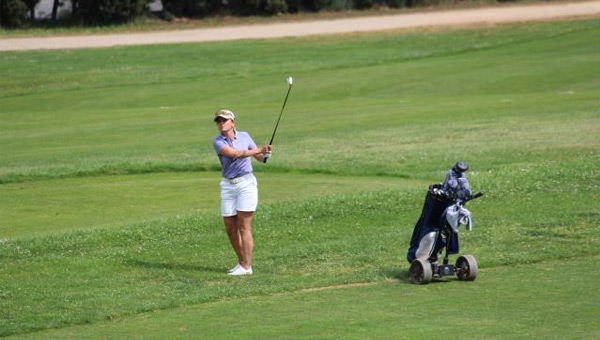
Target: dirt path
column 364, row 24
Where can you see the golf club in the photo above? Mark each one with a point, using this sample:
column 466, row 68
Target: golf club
column 289, row 81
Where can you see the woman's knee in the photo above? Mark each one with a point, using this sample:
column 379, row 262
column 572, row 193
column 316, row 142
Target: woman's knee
column 244, row 221
column 231, row 223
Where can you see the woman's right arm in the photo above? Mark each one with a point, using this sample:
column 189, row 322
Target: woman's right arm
column 230, row 152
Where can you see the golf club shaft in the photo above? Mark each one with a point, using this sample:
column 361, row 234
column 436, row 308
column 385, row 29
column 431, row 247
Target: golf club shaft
column 280, row 114
column 279, row 119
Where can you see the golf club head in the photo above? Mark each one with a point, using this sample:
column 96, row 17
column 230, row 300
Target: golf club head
column 290, row 80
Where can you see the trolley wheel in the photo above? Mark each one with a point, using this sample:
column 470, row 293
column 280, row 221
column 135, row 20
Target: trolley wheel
column 420, row 272
column 466, row 268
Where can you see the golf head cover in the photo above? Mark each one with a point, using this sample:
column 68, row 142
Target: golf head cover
column 461, row 167
column 455, row 183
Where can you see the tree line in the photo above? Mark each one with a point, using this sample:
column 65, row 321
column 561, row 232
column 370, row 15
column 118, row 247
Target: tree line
column 17, row 13
column 20, row 13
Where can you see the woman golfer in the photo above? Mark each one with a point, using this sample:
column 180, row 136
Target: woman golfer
column 239, row 192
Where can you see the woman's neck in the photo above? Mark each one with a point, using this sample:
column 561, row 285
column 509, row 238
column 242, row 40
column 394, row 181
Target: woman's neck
column 230, row 134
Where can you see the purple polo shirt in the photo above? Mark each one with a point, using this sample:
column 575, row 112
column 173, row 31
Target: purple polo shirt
column 232, row 168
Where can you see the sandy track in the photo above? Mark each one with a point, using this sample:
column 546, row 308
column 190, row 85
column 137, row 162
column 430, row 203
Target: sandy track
column 364, row 24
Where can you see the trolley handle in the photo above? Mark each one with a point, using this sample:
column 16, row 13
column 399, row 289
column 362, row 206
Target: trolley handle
column 477, row 195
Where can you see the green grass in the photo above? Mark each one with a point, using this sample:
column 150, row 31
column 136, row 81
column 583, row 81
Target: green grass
column 46, row 207
column 109, row 198
column 159, row 112
column 95, row 275
column 493, row 307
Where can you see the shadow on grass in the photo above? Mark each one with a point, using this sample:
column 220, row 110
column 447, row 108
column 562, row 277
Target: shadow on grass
column 173, row 266
column 403, row 276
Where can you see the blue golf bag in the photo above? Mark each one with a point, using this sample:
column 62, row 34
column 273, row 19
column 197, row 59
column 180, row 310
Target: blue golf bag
column 429, row 232
column 433, row 232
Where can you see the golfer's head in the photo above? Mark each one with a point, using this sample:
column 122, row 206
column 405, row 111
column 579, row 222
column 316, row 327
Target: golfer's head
column 223, row 116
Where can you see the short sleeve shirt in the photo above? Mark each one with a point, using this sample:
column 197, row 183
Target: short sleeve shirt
column 232, row 168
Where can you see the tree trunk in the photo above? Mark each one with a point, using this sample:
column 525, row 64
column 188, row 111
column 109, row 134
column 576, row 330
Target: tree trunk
column 55, row 10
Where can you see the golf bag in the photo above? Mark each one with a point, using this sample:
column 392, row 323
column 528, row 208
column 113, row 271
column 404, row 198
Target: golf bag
column 429, row 236
column 443, row 211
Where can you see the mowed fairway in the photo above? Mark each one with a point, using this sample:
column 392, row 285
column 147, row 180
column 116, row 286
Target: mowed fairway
column 491, row 309
column 109, row 224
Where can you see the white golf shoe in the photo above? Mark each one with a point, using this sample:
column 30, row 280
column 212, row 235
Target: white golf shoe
column 234, row 268
column 241, row 271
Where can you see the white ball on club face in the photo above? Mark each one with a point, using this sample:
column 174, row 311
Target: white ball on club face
column 290, row 80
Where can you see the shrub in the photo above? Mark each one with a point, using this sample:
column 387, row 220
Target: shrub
column 12, row 13
column 340, row 5
column 110, row 11
column 190, row 8
column 274, row 6
column 315, row 5
column 255, row 7
column 262, row 7
column 363, row 4
column 396, row 3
